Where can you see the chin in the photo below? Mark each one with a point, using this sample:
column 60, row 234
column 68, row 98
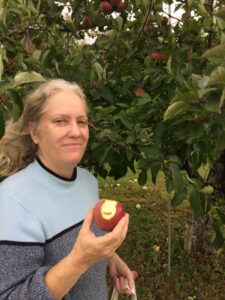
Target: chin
column 74, row 161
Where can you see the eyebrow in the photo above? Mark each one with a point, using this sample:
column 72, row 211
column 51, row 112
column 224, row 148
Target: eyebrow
column 69, row 116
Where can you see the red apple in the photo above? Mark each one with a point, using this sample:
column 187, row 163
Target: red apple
column 115, row 2
column 157, row 56
column 139, row 91
column 106, row 7
column 164, row 21
column 86, row 22
column 107, row 214
column 120, row 7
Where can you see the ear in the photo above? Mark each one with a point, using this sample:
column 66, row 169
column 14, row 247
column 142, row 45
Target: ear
column 33, row 132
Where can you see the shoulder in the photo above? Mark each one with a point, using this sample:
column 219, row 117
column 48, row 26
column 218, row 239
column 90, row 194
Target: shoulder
column 14, row 215
column 17, row 224
column 16, row 182
column 85, row 174
column 18, row 177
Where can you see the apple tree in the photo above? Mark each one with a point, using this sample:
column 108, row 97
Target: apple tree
column 154, row 83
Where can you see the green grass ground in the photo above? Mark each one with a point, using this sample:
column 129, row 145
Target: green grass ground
column 195, row 276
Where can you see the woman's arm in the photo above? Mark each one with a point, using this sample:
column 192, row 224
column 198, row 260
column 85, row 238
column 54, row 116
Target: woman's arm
column 122, row 275
column 87, row 250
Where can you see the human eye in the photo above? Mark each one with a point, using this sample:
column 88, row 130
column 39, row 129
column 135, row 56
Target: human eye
column 60, row 121
column 82, row 122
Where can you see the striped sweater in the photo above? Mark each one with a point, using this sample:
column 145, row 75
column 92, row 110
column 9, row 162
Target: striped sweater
column 40, row 217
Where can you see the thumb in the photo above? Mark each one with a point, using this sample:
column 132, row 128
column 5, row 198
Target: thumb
column 135, row 274
column 131, row 279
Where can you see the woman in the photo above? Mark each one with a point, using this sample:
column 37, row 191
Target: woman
column 49, row 246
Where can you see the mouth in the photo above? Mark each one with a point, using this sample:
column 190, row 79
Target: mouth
column 73, row 145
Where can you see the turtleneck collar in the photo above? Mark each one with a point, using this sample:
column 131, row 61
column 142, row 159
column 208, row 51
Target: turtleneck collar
column 73, row 177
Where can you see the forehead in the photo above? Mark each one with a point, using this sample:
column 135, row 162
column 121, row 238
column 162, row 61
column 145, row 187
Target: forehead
column 66, row 102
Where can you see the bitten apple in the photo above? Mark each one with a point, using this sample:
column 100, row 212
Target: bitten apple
column 107, row 214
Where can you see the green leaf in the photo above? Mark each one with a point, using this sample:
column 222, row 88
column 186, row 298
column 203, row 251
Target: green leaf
column 3, row 15
column 221, row 13
column 27, row 77
column 168, row 66
column 44, row 57
column 217, row 52
column 194, row 198
column 217, row 76
column 222, row 100
column 99, row 70
column 126, row 122
column 104, row 154
column 142, row 177
column 176, row 177
column 144, row 99
column 221, row 215
column 2, row 123
column 155, row 168
column 201, row 8
column 174, row 109
column 16, row 98
column 189, row 97
column 212, row 104
column 119, row 22
column 200, row 81
column 178, row 198
column 151, row 152
column 1, row 67
column 31, row 7
column 218, row 240
column 208, row 189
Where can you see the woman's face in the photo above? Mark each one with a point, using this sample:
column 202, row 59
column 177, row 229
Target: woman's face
column 62, row 133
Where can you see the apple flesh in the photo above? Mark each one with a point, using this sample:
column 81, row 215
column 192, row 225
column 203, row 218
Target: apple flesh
column 107, row 214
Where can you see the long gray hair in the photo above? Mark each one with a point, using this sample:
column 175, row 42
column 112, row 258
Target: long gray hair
column 17, row 149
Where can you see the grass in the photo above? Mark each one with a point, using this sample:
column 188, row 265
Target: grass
column 192, row 276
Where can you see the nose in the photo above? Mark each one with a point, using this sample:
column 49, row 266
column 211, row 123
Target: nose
column 74, row 129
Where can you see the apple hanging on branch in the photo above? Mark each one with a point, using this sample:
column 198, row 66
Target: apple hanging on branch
column 106, row 7
column 107, row 214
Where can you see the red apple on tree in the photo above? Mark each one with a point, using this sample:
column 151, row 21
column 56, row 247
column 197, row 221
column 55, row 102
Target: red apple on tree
column 86, row 22
column 106, row 7
column 121, row 7
column 139, row 91
column 107, row 214
column 164, row 21
column 157, row 56
column 115, row 2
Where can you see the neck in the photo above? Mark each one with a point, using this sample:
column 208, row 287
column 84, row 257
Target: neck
column 70, row 176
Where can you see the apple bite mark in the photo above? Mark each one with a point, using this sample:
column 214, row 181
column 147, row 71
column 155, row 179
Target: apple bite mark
column 107, row 214
column 108, row 209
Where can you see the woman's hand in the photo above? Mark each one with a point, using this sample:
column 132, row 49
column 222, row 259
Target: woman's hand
column 121, row 274
column 89, row 248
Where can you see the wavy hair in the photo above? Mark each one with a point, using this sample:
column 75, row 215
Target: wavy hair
column 17, row 149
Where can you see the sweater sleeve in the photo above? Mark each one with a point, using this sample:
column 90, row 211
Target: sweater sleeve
column 21, row 254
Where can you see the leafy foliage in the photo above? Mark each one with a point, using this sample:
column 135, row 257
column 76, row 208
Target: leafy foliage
column 176, row 124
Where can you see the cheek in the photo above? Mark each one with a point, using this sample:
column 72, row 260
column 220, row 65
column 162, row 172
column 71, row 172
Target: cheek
column 86, row 134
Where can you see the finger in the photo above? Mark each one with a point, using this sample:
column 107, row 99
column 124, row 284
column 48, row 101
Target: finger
column 88, row 220
column 135, row 274
column 118, row 234
column 131, row 276
column 122, row 286
column 122, row 226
